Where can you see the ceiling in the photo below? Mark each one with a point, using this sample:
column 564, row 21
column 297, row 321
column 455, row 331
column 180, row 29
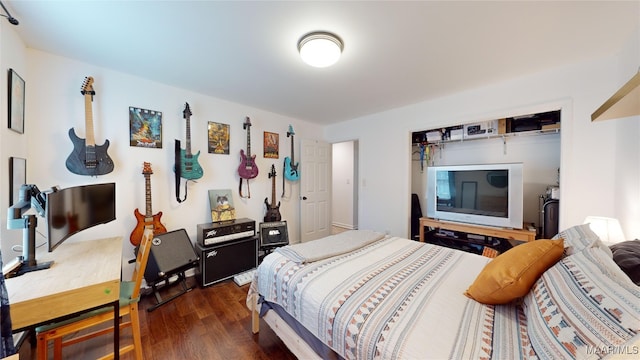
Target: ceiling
column 395, row 53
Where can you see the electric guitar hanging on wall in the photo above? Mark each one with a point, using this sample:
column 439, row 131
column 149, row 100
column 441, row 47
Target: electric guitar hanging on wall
column 291, row 171
column 248, row 168
column 149, row 220
column 190, row 169
column 87, row 158
column 273, row 212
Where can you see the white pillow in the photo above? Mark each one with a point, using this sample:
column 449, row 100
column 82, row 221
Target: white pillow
column 580, row 237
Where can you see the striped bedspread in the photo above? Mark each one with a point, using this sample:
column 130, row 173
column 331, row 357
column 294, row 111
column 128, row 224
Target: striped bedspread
column 394, row 299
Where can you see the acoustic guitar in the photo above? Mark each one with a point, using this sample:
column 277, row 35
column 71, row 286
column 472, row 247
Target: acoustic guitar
column 190, row 169
column 87, row 158
column 273, row 212
column 291, row 171
column 248, row 168
column 149, row 220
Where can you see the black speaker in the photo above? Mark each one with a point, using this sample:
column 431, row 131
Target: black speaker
column 222, row 261
column 416, row 214
column 171, row 253
column 550, row 218
column 274, row 234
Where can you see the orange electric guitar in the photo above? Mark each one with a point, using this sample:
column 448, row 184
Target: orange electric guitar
column 148, row 221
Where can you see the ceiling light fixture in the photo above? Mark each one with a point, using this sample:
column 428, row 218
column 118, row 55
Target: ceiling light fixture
column 320, row 49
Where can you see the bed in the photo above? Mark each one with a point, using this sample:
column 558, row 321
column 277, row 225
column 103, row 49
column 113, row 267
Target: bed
column 365, row 295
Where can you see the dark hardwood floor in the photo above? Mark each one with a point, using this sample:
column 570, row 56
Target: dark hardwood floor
column 204, row 323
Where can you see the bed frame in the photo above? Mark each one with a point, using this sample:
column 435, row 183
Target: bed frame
column 294, row 343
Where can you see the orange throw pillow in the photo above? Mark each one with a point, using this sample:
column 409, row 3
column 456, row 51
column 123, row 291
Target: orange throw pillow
column 510, row 275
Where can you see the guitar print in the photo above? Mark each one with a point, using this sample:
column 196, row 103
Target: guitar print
column 248, row 168
column 291, row 171
column 190, row 169
column 149, row 220
column 87, row 158
column 273, row 212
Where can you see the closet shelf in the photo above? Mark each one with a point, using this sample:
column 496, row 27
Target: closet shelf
column 501, row 136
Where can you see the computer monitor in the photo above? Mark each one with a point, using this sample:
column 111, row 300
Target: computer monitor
column 73, row 209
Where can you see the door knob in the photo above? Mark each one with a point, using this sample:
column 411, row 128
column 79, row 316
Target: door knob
column 304, row 198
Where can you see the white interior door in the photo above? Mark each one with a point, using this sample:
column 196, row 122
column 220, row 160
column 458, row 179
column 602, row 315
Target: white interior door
column 315, row 190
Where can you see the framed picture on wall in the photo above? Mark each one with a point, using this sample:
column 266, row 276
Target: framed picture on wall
column 145, row 128
column 16, row 102
column 271, row 145
column 221, row 203
column 218, row 138
column 17, row 177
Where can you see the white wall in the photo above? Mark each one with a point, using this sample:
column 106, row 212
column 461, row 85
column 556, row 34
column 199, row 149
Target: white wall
column 55, row 104
column 591, row 183
column 627, row 147
column 344, row 209
column 12, row 55
column 588, row 173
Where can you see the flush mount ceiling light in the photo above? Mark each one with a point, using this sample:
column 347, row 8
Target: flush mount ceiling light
column 320, row 49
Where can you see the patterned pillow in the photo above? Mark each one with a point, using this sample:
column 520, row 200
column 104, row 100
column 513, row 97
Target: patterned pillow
column 582, row 307
column 627, row 255
column 578, row 238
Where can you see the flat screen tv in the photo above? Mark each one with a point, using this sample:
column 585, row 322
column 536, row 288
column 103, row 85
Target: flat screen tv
column 71, row 210
column 488, row 194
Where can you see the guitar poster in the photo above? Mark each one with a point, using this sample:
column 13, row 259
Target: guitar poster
column 145, row 128
column 218, row 136
column 271, row 145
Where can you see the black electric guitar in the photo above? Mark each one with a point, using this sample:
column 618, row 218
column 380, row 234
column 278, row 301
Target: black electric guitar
column 273, row 212
column 87, row 158
column 291, row 171
column 189, row 166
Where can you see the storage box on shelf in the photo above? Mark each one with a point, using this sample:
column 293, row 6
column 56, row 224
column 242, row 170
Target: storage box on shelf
column 532, row 124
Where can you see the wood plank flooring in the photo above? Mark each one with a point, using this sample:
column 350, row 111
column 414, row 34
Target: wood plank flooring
column 205, row 323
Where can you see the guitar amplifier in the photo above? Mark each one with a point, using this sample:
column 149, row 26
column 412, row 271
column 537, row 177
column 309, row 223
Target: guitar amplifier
column 171, row 253
column 222, row 231
column 274, row 234
column 223, row 261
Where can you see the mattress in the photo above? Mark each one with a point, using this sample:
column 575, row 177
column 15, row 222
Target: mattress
column 392, row 298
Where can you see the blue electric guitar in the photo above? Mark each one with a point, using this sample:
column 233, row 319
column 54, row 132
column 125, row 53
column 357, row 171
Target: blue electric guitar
column 87, row 158
column 190, row 169
column 291, row 171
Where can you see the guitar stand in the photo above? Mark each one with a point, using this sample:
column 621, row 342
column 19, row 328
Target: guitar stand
column 182, row 279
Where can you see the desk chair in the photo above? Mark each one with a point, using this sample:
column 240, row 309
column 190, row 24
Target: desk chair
column 129, row 298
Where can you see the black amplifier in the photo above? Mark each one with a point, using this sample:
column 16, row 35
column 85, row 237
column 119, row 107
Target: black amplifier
column 273, row 234
column 223, row 261
column 221, row 231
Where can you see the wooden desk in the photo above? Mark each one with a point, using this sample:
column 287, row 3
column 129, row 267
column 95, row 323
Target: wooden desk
column 85, row 275
column 504, row 233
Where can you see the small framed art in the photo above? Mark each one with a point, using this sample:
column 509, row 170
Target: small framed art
column 145, row 128
column 16, row 102
column 271, row 145
column 218, row 138
column 17, row 177
column 221, row 203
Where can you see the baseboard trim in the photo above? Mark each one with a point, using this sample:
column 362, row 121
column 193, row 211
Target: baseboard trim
column 345, row 226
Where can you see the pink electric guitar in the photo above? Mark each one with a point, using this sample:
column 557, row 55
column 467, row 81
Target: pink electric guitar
column 248, row 168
